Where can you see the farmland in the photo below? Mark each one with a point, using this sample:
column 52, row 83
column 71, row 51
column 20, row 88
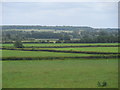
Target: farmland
column 8, row 53
column 60, row 73
column 37, row 67
column 62, row 44
column 98, row 49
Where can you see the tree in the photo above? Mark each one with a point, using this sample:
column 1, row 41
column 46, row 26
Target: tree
column 18, row 44
column 67, row 37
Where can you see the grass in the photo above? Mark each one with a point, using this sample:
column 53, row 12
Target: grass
column 96, row 49
column 72, row 73
column 12, row 53
column 62, row 44
column 60, row 74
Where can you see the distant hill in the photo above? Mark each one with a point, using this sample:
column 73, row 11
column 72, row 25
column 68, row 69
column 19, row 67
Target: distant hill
column 5, row 27
column 38, row 27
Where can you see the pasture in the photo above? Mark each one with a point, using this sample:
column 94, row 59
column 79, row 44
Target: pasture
column 59, row 73
column 60, row 44
column 97, row 49
column 15, row 53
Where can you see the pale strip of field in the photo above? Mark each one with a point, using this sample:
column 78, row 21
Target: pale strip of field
column 96, row 49
column 63, row 44
column 41, row 30
column 16, row 53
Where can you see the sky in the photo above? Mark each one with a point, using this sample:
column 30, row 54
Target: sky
column 93, row 14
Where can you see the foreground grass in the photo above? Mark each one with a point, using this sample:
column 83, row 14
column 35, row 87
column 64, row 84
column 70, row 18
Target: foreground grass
column 60, row 74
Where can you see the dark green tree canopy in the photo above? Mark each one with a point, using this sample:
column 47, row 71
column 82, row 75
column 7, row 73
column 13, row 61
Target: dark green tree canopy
column 18, row 44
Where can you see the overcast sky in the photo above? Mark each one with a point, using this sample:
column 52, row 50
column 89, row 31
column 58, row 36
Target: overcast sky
column 93, row 14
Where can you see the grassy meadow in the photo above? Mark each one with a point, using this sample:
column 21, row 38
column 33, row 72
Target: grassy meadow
column 95, row 49
column 60, row 44
column 10, row 53
column 60, row 73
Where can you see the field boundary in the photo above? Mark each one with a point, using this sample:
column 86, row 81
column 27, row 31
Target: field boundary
column 63, row 51
column 54, row 58
column 69, row 46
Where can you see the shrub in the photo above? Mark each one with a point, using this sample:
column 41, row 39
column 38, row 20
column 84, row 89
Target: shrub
column 102, row 84
column 18, row 44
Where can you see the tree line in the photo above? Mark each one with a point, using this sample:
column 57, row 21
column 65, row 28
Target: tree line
column 9, row 27
column 77, row 36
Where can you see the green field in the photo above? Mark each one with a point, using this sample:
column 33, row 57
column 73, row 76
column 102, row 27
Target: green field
column 56, row 73
column 60, row 74
column 11, row 53
column 96, row 49
column 63, row 44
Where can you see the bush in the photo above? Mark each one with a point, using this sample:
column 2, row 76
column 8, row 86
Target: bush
column 102, row 84
column 18, row 44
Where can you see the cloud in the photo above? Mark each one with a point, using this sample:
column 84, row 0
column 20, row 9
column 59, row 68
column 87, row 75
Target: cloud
column 59, row 0
column 61, row 13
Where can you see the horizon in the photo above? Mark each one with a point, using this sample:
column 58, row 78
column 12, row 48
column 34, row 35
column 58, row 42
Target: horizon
column 66, row 26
